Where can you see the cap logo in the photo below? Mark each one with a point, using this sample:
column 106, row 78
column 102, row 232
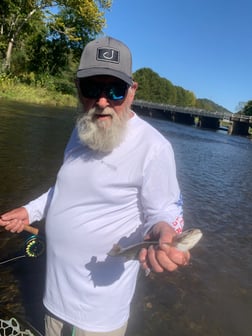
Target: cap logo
column 108, row 55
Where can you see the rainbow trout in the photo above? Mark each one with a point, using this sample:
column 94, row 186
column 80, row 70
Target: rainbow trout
column 183, row 242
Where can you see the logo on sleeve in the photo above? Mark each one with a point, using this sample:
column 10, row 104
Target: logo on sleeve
column 108, row 55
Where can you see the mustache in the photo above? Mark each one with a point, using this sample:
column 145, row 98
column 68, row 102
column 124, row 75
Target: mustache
column 95, row 112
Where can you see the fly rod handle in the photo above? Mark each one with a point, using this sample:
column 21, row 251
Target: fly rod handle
column 31, row 229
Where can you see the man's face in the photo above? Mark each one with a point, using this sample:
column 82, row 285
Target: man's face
column 106, row 103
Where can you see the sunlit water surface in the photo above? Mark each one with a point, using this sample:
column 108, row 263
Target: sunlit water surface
column 213, row 295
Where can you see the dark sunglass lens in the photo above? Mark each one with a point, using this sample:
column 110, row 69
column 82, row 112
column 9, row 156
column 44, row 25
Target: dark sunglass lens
column 90, row 89
column 94, row 90
column 116, row 91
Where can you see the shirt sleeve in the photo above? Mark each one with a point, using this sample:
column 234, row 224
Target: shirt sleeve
column 37, row 208
column 161, row 196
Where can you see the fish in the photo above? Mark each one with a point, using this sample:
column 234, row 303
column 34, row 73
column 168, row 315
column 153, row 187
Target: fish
column 184, row 241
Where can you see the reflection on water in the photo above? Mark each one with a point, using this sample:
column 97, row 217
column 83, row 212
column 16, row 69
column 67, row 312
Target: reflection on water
column 213, row 295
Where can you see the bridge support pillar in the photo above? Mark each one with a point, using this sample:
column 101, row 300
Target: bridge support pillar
column 238, row 128
column 152, row 112
column 140, row 109
column 208, row 122
column 183, row 118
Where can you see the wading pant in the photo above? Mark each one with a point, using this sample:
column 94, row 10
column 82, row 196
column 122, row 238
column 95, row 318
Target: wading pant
column 56, row 327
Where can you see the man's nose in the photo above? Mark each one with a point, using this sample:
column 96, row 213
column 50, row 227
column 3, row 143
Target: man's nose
column 102, row 101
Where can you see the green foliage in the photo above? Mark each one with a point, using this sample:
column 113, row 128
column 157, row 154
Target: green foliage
column 156, row 89
column 153, row 88
column 14, row 90
column 41, row 42
column 185, row 97
column 208, row 105
column 45, row 35
column 247, row 110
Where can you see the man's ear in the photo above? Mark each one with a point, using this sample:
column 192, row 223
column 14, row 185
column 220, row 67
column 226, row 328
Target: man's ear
column 132, row 90
column 134, row 86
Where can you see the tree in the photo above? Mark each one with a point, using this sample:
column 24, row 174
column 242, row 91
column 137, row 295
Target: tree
column 154, row 88
column 185, row 97
column 240, row 107
column 73, row 22
column 15, row 25
column 209, row 105
column 247, row 110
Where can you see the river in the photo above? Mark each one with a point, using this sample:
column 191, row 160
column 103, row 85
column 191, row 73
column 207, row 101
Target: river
column 213, row 295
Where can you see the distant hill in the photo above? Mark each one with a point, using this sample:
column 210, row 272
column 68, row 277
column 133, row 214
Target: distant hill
column 156, row 89
column 209, row 105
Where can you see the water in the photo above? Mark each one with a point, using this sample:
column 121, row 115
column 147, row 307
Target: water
column 213, row 295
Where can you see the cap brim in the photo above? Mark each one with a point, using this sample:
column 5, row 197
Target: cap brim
column 82, row 73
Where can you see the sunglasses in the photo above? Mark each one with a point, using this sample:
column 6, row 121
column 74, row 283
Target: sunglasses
column 94, row 89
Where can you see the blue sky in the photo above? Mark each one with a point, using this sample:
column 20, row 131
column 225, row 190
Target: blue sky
column 204, row 46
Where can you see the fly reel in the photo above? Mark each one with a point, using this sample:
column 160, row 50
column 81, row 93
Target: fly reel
column 34, row 246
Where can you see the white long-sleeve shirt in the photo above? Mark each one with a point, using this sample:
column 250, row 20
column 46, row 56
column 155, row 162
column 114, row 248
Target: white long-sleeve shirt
column 99, row 200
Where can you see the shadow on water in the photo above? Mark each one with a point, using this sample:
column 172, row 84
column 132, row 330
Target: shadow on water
column 30, row 274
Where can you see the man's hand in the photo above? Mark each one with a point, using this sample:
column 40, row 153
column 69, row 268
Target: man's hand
column 163, row 257
column 15, row 220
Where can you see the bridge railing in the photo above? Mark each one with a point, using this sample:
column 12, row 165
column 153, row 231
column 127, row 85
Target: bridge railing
column 180, row 109
column 241, row 117
column 193, row 110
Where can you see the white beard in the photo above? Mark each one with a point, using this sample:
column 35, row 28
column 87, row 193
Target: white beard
column 102, row 135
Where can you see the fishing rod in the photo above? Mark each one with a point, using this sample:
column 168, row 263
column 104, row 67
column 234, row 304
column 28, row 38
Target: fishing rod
column 34, row 246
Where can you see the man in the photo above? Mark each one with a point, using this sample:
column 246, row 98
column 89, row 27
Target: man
column 117, row 184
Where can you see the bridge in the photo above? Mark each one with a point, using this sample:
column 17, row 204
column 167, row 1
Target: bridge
column 237, row 124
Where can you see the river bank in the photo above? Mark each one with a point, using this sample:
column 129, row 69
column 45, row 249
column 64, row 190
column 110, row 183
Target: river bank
column 43, row 96
column 35, row 95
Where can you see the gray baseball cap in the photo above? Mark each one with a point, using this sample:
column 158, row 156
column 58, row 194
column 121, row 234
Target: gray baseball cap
column 106, row 56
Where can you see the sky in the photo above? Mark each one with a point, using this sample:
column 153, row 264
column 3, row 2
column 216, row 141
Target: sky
column 204, row 46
